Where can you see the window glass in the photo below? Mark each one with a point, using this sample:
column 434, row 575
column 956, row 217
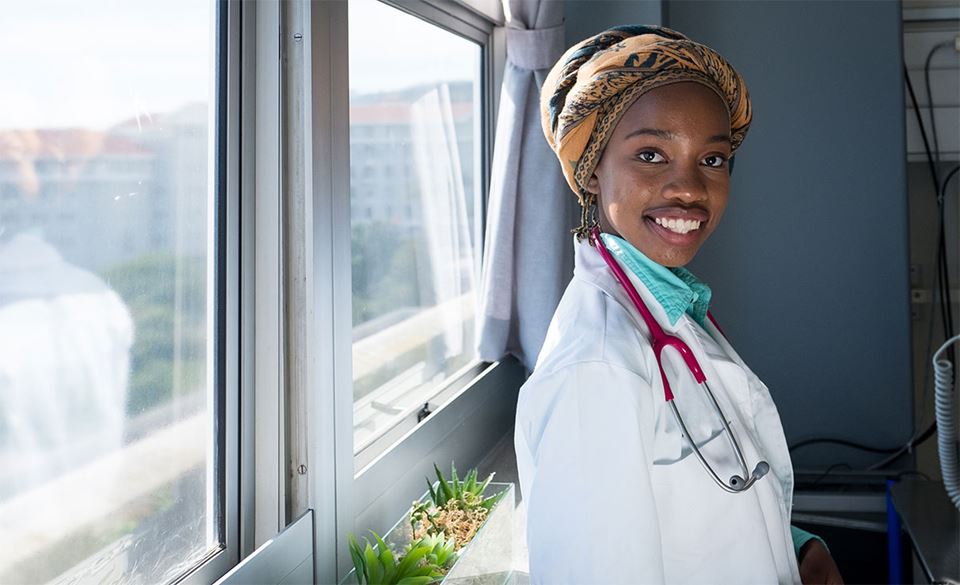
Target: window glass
column 107, row 402
column 414, row 147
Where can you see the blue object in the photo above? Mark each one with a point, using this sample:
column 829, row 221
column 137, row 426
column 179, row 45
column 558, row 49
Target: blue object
column 676, row 289
column 894, row 567
column 802, row 537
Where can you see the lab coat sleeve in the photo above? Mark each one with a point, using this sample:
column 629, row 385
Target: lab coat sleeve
column 592, row 517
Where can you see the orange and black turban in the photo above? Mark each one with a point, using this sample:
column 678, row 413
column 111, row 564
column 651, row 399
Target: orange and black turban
column 599, row 78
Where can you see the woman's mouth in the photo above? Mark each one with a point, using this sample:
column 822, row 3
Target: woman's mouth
column 678, row 226
column 676, row 231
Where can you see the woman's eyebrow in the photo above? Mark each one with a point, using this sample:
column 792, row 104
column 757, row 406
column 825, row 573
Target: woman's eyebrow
column 662, row 134
column 668, row 135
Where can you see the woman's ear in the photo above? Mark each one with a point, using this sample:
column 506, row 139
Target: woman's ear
column 593, row 185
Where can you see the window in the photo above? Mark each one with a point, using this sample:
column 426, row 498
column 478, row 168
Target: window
column 112, row 392
column 414, row 106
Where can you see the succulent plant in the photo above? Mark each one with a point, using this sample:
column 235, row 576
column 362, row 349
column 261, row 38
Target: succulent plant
column 424, row 511
column 455, row 508
column 465, row 495
column 442, row 549
column 423, row 561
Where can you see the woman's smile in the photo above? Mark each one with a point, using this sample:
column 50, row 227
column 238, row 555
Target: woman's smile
column 678, row 226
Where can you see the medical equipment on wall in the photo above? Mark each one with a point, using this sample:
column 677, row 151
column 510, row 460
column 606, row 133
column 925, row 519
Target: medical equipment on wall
column 945, row 410
column 660, row 341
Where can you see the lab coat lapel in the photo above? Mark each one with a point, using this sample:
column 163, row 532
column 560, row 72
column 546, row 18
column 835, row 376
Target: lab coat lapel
column 590, row 266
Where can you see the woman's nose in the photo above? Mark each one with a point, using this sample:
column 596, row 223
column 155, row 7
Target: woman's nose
column 685, row 183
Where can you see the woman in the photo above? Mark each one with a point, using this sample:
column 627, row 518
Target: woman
column 645, row 123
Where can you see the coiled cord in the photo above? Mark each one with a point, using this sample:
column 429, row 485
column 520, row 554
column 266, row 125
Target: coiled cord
column 945, row 409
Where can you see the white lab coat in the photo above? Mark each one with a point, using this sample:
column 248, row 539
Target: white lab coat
column 613, row 492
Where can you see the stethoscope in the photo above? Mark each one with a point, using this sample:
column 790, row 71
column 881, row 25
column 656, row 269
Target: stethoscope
column 661, row 340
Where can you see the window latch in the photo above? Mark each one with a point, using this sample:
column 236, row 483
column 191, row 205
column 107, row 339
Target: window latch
column 424, row 412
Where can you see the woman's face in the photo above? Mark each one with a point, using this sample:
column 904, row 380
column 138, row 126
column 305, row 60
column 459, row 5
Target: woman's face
column 662, row 181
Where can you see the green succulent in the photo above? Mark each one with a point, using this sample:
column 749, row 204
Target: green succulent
column 442, row 549
column 422, row 563
column 424, row 509
column 465, row 495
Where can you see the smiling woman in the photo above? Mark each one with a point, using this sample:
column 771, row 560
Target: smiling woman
column 645, row 122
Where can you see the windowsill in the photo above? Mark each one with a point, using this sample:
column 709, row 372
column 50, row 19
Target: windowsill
column 466, row 430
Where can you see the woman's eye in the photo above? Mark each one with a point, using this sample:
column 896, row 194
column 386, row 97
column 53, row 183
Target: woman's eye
column 650, row 156
column 714, row 161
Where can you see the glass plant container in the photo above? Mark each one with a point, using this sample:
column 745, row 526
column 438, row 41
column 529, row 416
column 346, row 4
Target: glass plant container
column 488, row 557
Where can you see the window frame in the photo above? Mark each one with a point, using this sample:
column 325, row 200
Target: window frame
column 226, row 405
column 483, row 399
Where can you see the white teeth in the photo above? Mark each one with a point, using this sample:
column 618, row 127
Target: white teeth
column 679, row 226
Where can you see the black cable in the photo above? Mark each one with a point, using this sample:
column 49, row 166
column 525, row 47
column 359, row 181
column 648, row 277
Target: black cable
column 829, row 470
column 946, row 181
column 933, row 122
column 944, row 274
column 869, row 448
column 923, row 130
column 845, row 443
column 913, row 442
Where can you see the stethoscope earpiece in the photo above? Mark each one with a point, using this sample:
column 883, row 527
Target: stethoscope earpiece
column 739, row 484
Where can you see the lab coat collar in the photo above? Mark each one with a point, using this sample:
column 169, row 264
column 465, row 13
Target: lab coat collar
column 590, row 267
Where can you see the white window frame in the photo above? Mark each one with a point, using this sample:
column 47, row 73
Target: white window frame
column 482, row 401
column 227, row 257
column 295, row 343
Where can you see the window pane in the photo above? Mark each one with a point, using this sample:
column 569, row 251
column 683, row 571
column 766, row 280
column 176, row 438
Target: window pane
column 107, row 430
column 414, row 146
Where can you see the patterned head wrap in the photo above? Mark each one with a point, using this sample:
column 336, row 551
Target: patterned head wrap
column 599, row 78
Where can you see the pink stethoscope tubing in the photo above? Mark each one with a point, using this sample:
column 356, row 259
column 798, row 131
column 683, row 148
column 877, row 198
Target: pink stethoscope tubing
column 662, row 340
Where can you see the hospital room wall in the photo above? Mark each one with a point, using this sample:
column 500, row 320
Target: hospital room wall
column 810, row 264
column 588, row 17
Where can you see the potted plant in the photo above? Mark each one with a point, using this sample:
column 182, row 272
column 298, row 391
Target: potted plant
column 424, row 560
column 454, row 534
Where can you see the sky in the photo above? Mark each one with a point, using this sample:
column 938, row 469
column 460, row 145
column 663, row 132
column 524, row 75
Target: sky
column 390, row 50
column 94, row 63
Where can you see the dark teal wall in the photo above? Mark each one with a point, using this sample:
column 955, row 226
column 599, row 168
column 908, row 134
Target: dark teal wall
column 588, row 17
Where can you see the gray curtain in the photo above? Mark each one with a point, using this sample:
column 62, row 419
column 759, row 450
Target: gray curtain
column 528, row 256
